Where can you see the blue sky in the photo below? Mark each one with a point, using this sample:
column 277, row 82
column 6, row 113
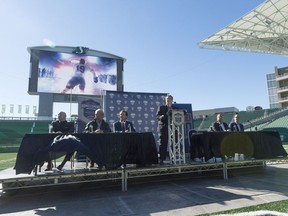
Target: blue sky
column 157, row 37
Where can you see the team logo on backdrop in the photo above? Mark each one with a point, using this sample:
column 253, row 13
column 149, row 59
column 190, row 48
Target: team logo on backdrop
column 132, row 102
column 111, row 95
column 89, row 107
column 111, row 108
column 178, row 117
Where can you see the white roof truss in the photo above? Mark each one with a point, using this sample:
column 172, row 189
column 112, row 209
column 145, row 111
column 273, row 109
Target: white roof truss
column 263, row 30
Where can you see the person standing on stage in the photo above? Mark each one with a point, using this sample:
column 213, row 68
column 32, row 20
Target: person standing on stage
column 97, row 125
column 236, row 125
column 61, row 126
column 219, row 125
column 162, row 117
column 123, row 125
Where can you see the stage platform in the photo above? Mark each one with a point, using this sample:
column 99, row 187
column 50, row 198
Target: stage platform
column 121, row 176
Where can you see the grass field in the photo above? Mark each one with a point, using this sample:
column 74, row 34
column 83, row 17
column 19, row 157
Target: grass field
column 279, row 206
column 7, row 160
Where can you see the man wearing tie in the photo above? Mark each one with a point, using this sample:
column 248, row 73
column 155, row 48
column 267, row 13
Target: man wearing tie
column 123, row 125
column 219, row 124
column 236, row 125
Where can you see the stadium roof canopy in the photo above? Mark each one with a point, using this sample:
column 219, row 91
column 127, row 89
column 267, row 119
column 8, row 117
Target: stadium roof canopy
column 263, row 30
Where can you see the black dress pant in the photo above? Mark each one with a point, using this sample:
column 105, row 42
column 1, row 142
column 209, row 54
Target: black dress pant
column 163, row 143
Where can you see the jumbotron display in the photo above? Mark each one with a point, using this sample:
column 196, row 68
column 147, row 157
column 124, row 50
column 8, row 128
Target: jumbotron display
column 73, row 73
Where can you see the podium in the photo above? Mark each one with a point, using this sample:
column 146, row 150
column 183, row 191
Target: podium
column 176, row 137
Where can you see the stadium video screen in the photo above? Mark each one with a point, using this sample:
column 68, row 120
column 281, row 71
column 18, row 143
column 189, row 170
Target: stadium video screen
column 67, row 73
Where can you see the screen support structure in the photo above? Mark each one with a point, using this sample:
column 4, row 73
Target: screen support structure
column 176, row 137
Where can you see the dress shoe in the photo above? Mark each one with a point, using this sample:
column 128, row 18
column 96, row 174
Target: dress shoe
column 101, row 168
column 60, row 167
column 49, row 168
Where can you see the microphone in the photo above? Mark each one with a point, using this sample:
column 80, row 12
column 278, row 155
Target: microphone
column 250, row 124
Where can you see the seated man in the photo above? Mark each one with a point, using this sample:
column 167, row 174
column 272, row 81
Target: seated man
column 61, row 126
column 219, row 124
column 123, row 125
column 236, row 125
column 97, row 125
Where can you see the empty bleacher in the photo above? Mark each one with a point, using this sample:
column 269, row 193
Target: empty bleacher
column 12, row 131
column 197, row 123
column 227, row 117
column 250, row 115
column 280, row 122
column 271, row 111
column 208, row 121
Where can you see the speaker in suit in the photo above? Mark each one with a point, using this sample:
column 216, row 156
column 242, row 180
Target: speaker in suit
column 162, row 117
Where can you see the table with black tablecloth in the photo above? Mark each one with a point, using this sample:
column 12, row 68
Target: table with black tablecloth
column 258, row 144
column 110, row 149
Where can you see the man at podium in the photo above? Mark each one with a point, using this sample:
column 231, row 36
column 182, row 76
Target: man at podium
column 162, row 117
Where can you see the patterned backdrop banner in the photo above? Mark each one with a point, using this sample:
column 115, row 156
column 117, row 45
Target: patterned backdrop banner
column 141, row 107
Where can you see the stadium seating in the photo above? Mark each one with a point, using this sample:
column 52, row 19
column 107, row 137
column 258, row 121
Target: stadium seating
column 250, row 115
column 12, row 131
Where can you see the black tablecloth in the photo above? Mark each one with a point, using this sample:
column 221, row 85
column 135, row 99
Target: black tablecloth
column 111, row 149
column 258, row 145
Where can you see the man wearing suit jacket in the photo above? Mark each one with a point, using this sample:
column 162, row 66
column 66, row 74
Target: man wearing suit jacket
column 97, row 125
column 61, row 126
column 236, row 125
column 162, row 116
column 123, row 125
column 219, row 125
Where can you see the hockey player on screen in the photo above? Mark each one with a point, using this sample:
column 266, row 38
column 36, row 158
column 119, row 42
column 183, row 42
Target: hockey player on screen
column 78, row 77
